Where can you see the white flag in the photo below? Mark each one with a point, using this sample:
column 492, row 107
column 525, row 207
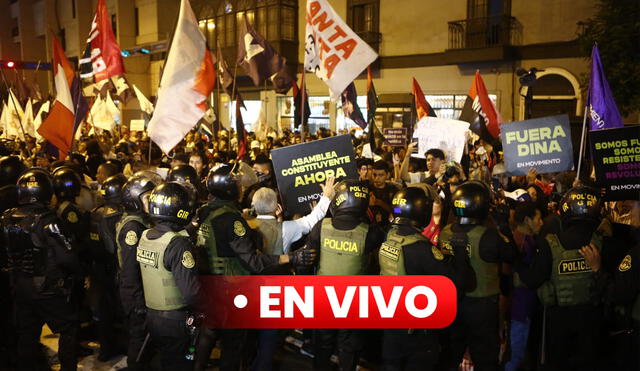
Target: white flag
column 187, row 81
column 332, row 50
column 27, row 120
column 145, row 104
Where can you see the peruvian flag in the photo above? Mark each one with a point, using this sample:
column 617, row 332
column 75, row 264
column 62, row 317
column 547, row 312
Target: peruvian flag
column 101, row 58
column 188, row 79
column 58, row 128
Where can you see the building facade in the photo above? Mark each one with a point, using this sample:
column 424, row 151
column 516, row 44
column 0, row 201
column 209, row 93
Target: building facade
column 439, row 43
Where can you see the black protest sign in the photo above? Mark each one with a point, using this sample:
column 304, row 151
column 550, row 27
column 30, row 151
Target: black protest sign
column 542, row 143
column 395, row 137
column 301, row 168
column 616, row 157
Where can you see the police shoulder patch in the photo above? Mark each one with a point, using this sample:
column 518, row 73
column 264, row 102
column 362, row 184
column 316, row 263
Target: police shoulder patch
column 72, row 217
column 437, row 254
column 625, row 264
column 238, row 228
column 187, row 260
column 131, row 238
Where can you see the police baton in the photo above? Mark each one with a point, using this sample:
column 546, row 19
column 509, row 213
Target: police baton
column 144, row 345
column 543, row 353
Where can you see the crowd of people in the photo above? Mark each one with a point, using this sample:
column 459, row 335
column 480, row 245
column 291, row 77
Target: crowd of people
column 545, row 270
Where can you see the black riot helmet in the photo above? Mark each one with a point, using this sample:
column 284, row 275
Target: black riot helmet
column 351, row 198
column 222, row 183
column 183, row 173
column 173, row 202
column 34, row 186
column 10, row 169
column 66, row 183
column 112, row 187
column 413, row 206
column 471, row 202
column 580, row 203
column 141, row 183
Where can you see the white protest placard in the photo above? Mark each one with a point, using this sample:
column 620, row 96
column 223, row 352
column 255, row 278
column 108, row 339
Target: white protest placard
column 448, row 135
column 136, row 125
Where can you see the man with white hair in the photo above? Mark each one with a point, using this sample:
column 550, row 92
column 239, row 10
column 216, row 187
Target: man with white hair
column 277, row 236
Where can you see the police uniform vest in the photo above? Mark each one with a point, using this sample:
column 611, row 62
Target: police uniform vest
column 342, row 252
column 571, row 277
column 391, row 254
column 25, row 258
column 487, row 274
column 271, row 232
column 101, row 233
column 126, row 218
column 159, row 284
column 207, row 248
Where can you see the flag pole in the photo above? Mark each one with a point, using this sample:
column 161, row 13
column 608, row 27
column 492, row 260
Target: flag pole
column 302, row 124
column 4, row 79
column 233, row 95
column 582, row 136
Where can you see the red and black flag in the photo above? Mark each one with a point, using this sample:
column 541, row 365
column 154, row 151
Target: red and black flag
column 375, row 137
column 101, row 58
column 420, row 104
column 240, row 131
column 298, row 96
column 350, row 106
column 480, row 113
column 260, row 60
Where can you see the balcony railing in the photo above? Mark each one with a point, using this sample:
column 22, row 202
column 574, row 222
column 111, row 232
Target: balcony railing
column 499, row 30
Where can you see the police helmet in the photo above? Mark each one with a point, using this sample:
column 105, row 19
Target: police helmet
column 580, row 203
column 34, row 186
column 183, row 173
column 10, row 169
column 136, row 186
column 452, row 170
column 352, row 197
column 112, row 187
column 471, row 202
column 173, row 202
column 222, row 183
column 413, row 206
column 66, row 183
column 7, row 146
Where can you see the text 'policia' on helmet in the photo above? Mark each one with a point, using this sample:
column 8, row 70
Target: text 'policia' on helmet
column 10, row 169
column 183, row 173
column 413, row 206
column 352, row 197
column 580, row 203
column 471, row 202
column 112, row 187
column 34, row 186
column 222, row 183
column 172, row 201
column 141, row 183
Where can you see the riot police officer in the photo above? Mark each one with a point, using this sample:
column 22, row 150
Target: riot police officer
column 43, row 266
column 407, row 251
column 10, row 169
column 225, row 246
column 128, row 232
column 476, row 324
column 570, row 282
column 104, row 265
column 345, row 243
column 186, row 173
column 67, row 185
column 169, row 275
